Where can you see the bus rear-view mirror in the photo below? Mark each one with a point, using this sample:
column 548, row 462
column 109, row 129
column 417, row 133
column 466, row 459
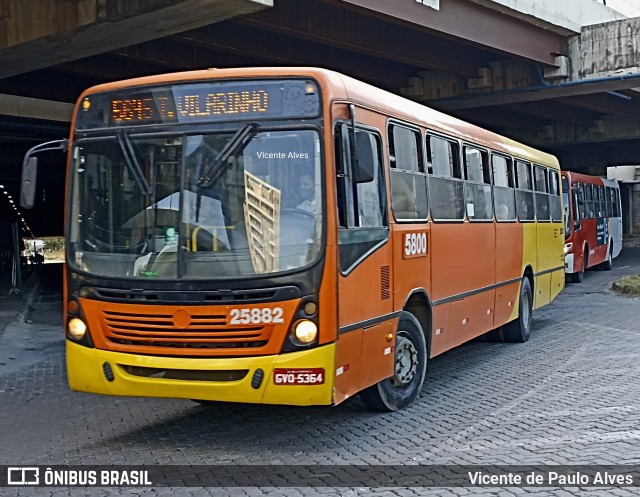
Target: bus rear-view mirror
column 28, row 182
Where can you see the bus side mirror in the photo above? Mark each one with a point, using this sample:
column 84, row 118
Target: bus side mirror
column 28, row 182
column 30, row 170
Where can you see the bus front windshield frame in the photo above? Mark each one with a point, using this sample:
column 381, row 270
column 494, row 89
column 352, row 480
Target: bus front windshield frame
column 223, row 204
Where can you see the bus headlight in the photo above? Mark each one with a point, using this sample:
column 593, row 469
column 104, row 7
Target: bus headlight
column 305, row 331
column 567, row 248
column 76, row 328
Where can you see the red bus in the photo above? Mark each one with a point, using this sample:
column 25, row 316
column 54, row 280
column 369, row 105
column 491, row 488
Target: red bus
column 593, row 228
column 292, row 236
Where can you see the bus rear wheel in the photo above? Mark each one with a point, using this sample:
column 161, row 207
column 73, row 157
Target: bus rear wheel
column 410, row 365
column 519, row 330
column 608, row 263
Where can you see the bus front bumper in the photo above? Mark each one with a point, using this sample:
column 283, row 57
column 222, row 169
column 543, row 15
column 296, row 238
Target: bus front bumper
column 220, row 379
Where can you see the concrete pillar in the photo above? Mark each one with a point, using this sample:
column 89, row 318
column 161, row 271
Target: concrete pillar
column 635, row 209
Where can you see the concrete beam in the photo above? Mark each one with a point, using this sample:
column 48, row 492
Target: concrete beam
column 539, row 92
column 35, row 108
column 561, row 134
column 476, row 25
column 494, row 77
column 43, row 33
column 566, row 17
column 606, row 49
column 603, row 58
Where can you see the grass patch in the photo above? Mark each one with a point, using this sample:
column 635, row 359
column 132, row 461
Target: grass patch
column 629, row 285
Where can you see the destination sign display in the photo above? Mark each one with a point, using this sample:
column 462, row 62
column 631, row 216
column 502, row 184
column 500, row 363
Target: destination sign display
column 200, row 103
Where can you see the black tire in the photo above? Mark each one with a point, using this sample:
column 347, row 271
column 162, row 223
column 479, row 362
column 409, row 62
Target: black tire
column 519, row 330
column 608, row 264
column 401, row 389
column 579, row 276
column 494, row 335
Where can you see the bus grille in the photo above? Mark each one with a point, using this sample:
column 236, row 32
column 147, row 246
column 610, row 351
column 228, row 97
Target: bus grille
column 192, row 331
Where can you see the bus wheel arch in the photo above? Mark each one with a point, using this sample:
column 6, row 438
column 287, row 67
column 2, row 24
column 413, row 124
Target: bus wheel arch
column 419, row 305
column 578, row 276
column 410, row 367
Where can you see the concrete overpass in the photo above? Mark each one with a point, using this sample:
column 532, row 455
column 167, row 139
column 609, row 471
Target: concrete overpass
column 562, row 78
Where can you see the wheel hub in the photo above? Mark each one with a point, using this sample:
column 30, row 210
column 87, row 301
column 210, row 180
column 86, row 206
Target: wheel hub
column 406, row 361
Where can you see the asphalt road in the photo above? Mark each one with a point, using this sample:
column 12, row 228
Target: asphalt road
column 570, row 396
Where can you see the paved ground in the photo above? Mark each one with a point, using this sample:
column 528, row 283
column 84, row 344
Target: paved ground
column 570, row 396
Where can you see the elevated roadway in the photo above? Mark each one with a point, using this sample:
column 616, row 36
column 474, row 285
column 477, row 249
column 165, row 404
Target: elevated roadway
column 547, row 76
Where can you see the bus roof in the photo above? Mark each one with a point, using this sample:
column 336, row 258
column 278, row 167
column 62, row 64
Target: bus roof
column 338, row 86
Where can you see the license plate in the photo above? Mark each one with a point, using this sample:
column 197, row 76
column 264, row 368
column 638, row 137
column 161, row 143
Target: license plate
column 313, row 376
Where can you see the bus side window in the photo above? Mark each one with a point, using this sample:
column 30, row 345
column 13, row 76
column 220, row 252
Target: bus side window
column 361, row 205
column 588, row 196
column 503, row 188
column 582, row 201
column 542, row 197
column 477, row 185
column 446, row 191
column 524, row 191
column 408, row 180
column 555, row 202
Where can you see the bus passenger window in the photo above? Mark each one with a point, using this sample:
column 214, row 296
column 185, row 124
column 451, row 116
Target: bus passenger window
column 408, row 180
column 582, row 201
column 555, row 201
column 608, row 205
column 503, row 188
column 588, row 196
column 524, row 191
column 542, row 198
column 478, row 185
column 446, row 191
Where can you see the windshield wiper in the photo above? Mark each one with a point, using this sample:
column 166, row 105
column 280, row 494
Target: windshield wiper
column 237, row 142
column 132, row 162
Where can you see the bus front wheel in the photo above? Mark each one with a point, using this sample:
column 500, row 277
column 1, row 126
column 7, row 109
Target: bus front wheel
column 519, row 330
column 410, row 365
column 579, row 276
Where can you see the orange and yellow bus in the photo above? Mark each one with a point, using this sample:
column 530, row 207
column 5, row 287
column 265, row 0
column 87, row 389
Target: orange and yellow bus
column 292, row 236
column 594, row 223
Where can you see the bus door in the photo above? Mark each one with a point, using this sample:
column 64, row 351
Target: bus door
column 366, row 323
column 411, row 232
column 509, row 239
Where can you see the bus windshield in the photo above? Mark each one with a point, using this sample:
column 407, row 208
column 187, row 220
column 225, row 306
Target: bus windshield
column 229, row 204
